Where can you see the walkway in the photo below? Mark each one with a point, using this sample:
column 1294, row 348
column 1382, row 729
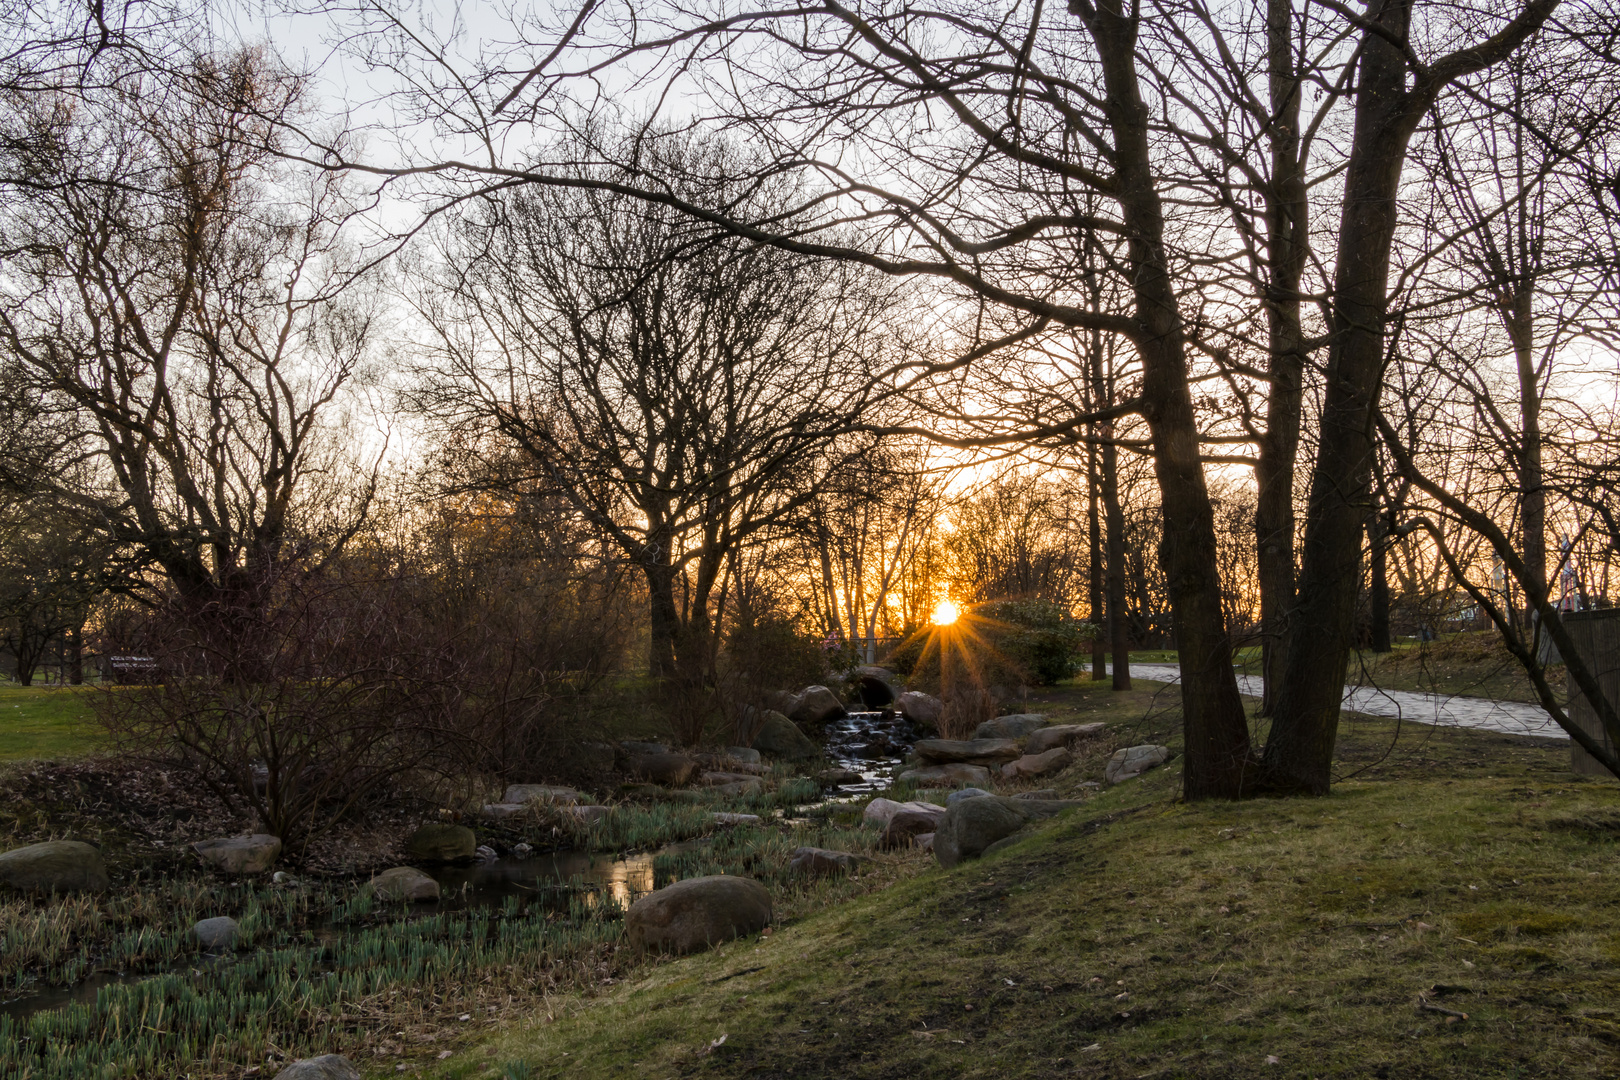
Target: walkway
column 1509, row 717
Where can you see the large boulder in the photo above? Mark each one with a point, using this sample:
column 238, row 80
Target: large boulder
column 402, row 883
column 240, row 854
column 781, row 737
column 910, row 822
column 815, row 862
column 966, row 793
column 218, row 934
column 54, row 866
column 697, row 913
column 546, row 793
column 966, row 751
column 436, row 842
column 1056, row 735
column 325, row 1067
column 661, row 767
column 880, row 811
column 1134, row 761
column 957, row 775
column 973, row 825
column 1011, row 726
column 921, row 709
column 1030, row 766
column 815, row 705
column 747, row 755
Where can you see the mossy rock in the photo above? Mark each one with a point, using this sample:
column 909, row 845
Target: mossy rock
column 434, row 842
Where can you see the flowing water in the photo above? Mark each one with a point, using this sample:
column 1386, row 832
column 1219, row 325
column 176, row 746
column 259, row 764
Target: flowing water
column 873, row 744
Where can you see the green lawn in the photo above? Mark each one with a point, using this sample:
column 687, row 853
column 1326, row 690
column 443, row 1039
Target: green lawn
column 46, row 722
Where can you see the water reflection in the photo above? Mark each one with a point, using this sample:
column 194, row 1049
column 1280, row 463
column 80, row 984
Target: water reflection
column 620, row 879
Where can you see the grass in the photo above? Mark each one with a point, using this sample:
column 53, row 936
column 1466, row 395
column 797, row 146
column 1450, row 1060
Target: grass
column 46, row 723
column 1140, row 936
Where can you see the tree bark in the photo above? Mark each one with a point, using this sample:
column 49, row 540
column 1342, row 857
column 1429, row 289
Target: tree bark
column 1118, row 638
column 1215, row 725
column 1099, row 614
column 1299, row 754
column 1287, row 212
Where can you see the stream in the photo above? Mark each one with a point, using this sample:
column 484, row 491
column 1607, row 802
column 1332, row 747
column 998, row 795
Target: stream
column 870, row 743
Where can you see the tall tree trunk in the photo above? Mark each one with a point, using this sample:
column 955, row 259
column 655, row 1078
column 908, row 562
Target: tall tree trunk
column 1218, row 762
column 1118, row 637
column 1533, row 493
column 664, row 619
column 1378, row 533
column 1287, row 211
column 1299, row 753
column 1099, row 617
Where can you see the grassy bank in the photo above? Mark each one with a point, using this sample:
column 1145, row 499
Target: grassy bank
column 38, row 722
column 1448, row 912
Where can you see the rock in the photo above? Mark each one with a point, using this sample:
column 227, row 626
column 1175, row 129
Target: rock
column 662, row 767
column 781, row 737
column 486, row 853
column 734, row 819
column 815, row 705
column 925, row 842
column 281, row 877
column 1045, row 793
column 972, row 825
column 1032, row 765
column 402, row 883
column 1134, row 761
column 834, row 777
column 506, row 811
column 697, row 913
column 435, row 842
column 966, row 751
column 55, row 866
column 819, row 861
column 751, row 786
column 594, row 756
column 240, row 854
column 965, row 793
column 958, row 775
column 879, row 811
column 635, row 749
column 1011, row 726
column 910, row 822
column 325, row 1067
column 522, row 851
column 590, row 815
column 716, row 779
column 1059, row 735
column 641, row 791
column 546, row 793
column 745, row 754
column 921, row 709
column 217, row 934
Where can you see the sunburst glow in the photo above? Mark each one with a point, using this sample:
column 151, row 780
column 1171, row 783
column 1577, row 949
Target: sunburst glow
column 945, row 613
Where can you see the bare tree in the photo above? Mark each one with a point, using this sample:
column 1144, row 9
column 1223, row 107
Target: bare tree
column 684, row 390
column 188, row 294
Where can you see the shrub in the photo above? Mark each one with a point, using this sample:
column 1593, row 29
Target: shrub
column 1037, row 635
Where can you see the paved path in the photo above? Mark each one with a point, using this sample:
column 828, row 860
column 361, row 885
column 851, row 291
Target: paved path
column 1511, row 717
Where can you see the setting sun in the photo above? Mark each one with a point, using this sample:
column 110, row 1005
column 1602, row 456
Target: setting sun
column 945, row 613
